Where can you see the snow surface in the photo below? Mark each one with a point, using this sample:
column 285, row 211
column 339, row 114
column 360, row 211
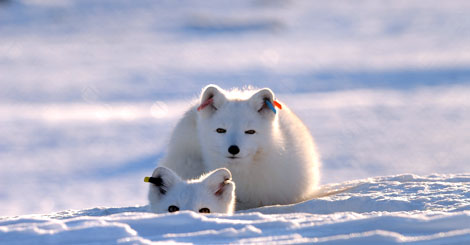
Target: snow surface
column 385, row 210
column 90, row 91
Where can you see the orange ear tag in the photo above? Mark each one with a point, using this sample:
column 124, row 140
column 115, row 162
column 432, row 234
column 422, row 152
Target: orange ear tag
column 277, row 104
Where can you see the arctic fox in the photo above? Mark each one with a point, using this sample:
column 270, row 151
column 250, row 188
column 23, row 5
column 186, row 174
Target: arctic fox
column 269, row 151
column 211, row 193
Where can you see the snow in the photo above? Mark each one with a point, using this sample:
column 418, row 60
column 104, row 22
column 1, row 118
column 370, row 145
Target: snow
column 90, row 91
column 395, row 209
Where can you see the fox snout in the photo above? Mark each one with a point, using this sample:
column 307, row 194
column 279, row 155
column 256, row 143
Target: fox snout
column 233, row 149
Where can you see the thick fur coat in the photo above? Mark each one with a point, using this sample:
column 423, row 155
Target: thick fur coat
column 210, row 193
column 271, row 154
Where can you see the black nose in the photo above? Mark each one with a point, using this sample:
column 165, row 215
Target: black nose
column 233, row 149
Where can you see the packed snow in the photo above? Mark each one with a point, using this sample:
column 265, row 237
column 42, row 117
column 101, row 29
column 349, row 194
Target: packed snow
column 397, row 209
column 90, row 91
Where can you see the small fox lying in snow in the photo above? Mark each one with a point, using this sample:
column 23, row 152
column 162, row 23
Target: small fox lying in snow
column 211, row 193
column 268, row 150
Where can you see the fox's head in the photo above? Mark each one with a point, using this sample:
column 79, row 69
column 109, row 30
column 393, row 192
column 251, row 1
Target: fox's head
column 211, row 193
column 235, row 127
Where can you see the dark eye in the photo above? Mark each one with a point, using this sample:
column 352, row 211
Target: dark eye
column 173, row 208
column 251, row 131
column 204, row 210
column 221, row 130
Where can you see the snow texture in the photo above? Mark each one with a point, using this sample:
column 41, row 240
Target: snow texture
column 90, row 91
column 385, row 210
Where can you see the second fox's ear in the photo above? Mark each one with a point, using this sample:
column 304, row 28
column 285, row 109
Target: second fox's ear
column 260, row 102
column 212, row 98
column 220, row 183
column 163, row 179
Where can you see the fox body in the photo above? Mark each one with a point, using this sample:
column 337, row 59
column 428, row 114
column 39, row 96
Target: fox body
column 211, row 193
column 270, row 154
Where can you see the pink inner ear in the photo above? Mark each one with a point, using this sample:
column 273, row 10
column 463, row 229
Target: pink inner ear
column 205, row 103
column 221, row 188
column 219, row 191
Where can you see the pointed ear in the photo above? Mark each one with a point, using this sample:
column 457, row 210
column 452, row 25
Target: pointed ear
column 212, row 98
column 220, row 183
column 163, row 179
column 258, row 102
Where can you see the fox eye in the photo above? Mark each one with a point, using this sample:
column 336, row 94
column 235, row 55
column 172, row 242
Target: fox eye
column 173, row 209
column 204, row 210
column 221, row 130
column 251, row 131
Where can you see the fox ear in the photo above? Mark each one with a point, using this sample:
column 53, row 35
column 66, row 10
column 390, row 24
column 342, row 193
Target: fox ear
column 220, row 183
column 212, row 97
column 163, row 179
column 258, row 102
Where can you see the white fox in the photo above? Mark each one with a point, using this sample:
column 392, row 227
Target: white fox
column 270, row 153
column 211, row 193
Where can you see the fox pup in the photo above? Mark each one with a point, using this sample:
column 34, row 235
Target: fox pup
column 213, row 192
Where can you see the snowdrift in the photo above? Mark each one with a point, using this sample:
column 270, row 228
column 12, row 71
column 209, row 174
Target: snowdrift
column 406, row 208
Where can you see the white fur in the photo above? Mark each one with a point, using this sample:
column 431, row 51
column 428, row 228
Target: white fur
column 214, row 191
column 278, row 164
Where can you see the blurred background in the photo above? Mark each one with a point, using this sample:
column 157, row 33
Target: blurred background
column 90, row 90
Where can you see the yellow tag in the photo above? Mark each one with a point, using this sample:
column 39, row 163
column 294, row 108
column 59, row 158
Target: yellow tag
column 146, row 179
